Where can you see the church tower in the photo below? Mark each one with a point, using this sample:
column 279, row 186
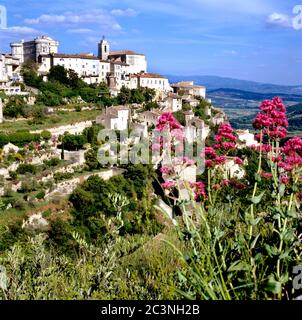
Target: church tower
column 104, row 49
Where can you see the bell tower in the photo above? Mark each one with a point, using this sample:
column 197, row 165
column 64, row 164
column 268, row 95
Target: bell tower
column 104, row 49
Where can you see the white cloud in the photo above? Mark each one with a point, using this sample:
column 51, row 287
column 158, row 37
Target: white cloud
column 79, row 30
column 280, row 19
column 96, row 17
column 19, row 30
column 124, row 13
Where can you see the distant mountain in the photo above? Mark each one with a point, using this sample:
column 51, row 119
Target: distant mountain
column 247, row 95
column 214, row 82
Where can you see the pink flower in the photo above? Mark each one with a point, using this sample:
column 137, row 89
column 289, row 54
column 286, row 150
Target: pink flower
column 293, row 154
column 272, row 119
column 225, row 138
column 262, row 121
column 284, row 179
column 199, row 190
column 166, row 170
column 265, row 148
column 228, row 145
column 209, row 163
column 266, row 175
column 167, row 122
column 168, row 185
column 188, row 162
column 220, row 160
column 209, row 152
column 238, row 161
column 225, row 182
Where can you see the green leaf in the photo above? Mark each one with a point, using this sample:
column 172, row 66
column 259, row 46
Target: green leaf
column 273, row 285
column 257, row 199
column 239, row 266
column 282, row 189
column 257, row 177
column 292, row 213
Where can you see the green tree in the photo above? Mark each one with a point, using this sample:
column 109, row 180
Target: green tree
column 73, row 142
column 58, row 73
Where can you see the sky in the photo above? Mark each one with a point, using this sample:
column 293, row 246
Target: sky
column 242, row 39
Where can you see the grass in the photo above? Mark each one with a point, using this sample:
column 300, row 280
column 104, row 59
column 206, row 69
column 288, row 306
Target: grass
column 62, row 118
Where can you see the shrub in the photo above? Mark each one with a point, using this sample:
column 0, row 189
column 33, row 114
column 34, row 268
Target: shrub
column 27, row 168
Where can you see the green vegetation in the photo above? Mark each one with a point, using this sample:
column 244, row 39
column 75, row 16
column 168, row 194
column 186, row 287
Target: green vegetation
column 20, row 138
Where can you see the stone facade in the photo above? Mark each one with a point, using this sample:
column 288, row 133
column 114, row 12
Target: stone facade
column 31, row 50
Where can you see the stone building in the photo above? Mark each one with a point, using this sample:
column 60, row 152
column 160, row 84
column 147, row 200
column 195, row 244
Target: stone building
column 9, row 68
column 87, row 66
column 171, row 103
column 188, row 88
column 152, row 81
column 115, row 118
column 31, row 50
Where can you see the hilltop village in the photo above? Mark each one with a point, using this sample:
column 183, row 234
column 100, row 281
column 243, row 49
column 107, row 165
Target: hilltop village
column 52, row 106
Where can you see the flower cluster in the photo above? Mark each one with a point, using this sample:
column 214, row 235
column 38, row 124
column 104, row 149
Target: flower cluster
column 292, row 154
column 168, row 185
column 225, row 138
column 272, row 119
column 212, row 158
column 167, row 122
column 199, row 190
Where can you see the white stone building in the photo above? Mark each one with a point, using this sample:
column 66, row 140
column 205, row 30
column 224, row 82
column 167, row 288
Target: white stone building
column 172, row 103
column 86, row 66
column 136, row 62
column 31, row 50
column 188, row 88
column 149, row 118
column 195, row 128
column 115, row 118
column 150, row 80
column 9, row 68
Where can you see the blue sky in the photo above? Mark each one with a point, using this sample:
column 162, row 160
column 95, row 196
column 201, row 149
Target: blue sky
column 245, row 39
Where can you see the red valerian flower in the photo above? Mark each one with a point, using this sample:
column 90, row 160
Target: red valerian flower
column 167, row 122
column 284, row 179
column 168, row 185
column 166, row 170
column 209, row 163
column 239, row 161
column 220, row 160
column 199, row 190
column 293, row 154
column 225, row 138
column 262, row 121
column 266, row 175
column 272, row 119
column 209, row 152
